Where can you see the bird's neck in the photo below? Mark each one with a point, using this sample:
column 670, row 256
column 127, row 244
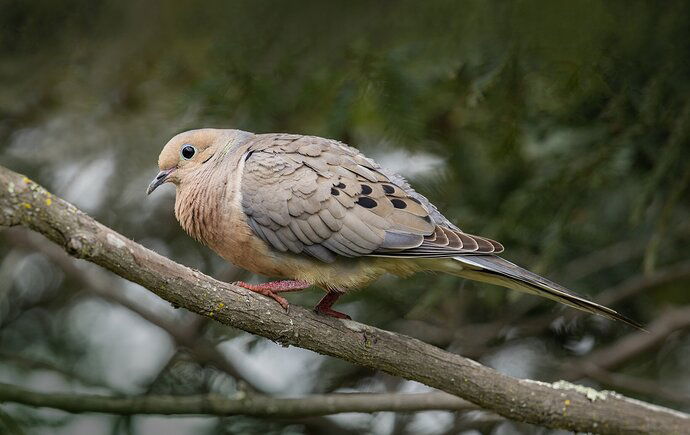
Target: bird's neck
column 197, row 206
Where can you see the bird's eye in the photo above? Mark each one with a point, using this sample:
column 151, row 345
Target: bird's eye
column 187, row 152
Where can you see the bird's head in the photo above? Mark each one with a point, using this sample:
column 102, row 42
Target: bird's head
column 185, row 153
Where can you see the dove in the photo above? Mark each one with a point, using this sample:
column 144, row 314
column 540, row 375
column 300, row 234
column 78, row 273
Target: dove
column 311, row 211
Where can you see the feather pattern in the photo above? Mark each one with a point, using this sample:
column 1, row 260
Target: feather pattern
column 304, row 191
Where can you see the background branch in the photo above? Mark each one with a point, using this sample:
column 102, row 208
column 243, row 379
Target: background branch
column 631, row 345
column 638, row 385
column 251, row 405
column 473, row 338
column 561, row 405
column 185, row 332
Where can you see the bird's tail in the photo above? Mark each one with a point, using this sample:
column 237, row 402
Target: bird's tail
column 495, row 270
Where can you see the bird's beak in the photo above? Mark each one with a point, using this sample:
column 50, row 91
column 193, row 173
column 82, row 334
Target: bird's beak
column 161, row 178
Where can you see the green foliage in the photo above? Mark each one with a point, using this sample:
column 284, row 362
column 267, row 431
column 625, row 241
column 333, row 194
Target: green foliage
column 563, row 127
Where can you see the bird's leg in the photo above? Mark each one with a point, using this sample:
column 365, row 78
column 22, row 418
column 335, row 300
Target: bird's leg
column 325, row 304
column 271, row 289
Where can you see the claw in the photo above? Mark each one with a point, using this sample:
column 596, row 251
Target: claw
column 281, row 300
column 332, row 313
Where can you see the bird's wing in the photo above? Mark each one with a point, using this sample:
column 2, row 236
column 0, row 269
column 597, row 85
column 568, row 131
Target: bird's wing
column 310, row 195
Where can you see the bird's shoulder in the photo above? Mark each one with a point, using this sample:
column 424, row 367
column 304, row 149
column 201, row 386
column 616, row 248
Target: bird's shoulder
column 297, row 149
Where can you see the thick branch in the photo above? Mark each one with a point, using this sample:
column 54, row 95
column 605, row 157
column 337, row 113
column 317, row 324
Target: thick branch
column 252, row 405
column 561, row 405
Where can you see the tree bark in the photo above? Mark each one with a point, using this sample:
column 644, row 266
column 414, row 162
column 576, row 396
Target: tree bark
column 559, row 405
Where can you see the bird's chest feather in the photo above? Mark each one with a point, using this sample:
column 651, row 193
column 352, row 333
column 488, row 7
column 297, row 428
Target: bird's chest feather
column 211, row 213
column 197, row 210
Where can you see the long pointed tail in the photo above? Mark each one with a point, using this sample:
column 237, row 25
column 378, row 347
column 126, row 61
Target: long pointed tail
column 496, row 270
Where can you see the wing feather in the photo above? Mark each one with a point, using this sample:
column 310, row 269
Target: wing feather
column 309, row 195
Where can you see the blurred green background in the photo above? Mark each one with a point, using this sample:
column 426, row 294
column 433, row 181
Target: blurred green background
column 560, row 128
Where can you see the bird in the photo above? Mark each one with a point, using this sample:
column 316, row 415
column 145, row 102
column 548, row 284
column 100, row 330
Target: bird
column 311, row 211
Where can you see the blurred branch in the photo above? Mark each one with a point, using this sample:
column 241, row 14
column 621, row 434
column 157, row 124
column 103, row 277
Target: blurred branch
column 185, row 334
column 631, row 345
column 601, row 259
column 637, row 385
column 32, row 364
column 637, row 284
column 474, row 421
column 614, row 295
column 560, row 405
column 250, row 405
column 9, row 424
column 472, row 338
column 596, row 366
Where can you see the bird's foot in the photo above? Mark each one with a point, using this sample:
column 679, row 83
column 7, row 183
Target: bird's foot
column 332, row 313
column 271, row 289
column 325, row 304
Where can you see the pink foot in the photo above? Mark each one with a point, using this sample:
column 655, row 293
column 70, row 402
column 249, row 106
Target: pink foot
column 271, row 289
column 325, row 304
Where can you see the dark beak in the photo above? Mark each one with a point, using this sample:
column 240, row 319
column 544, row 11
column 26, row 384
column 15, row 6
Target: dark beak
column 161, row 178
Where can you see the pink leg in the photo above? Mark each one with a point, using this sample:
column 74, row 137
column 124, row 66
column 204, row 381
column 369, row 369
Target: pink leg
column 271, row 289
column 325, row 304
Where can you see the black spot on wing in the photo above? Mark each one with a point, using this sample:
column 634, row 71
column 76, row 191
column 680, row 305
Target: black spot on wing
column 366, row 202
column 398, row 203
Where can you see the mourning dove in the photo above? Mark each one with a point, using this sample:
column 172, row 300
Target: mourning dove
column 314, row 211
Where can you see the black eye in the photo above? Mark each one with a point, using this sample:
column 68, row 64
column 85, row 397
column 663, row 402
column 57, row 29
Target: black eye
column 187, row 152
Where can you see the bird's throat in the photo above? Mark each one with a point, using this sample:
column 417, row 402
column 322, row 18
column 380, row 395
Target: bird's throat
column 197, row 208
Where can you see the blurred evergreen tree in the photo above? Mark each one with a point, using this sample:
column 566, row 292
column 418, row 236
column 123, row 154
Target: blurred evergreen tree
column 559, row 128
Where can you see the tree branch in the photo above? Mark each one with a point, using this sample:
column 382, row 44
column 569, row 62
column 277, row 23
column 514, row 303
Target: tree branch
column 34, row 364
column 560, row 405
column 631, row 345
column 636, row 284
column 638, row 385
column 242, row 404
column 472, row 338
column 185, row 334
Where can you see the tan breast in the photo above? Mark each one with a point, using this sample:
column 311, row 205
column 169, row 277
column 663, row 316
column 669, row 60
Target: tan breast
column 208, row 207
